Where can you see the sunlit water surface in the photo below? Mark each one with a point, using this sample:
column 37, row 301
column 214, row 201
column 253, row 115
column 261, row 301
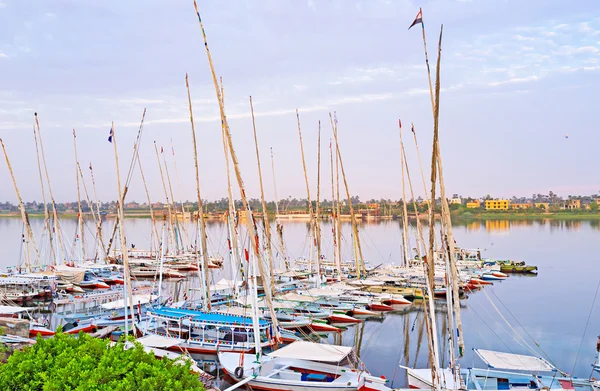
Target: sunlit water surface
column 551, row 309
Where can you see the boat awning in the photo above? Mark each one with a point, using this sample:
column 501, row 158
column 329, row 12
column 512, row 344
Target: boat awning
column 157, row 341
column 118, row 304
column 511, row 361
column 10, row 310
column 304, row 350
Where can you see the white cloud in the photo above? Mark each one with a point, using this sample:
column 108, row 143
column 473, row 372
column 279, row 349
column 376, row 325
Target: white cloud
column 523, row 38
column 50, row 15
column 3, row 55
column 300, row 87
column 142, row 101
column 2, row 5
column 513, row 80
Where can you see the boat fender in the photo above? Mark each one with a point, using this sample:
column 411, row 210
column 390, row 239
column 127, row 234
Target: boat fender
column 239, row 372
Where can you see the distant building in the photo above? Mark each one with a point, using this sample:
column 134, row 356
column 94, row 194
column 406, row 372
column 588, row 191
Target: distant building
column 542, row 205
column 520, row 206
column 497, row 204
column 456, row 201
column 573, row 204
column 474, row 204
column 373, row 206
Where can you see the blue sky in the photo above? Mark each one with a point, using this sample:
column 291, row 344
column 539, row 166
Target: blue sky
column 516, row 75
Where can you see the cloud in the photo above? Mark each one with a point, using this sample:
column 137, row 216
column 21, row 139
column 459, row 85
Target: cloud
column 2, row 5
column 3, row 55
column 523, row 38
column 50, row 15
column 300, row 87
column 142, row 101
column 514, row 80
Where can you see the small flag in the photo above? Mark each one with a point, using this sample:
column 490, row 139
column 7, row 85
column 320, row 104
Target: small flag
column 412, row 128
column 161, row 150
column 110, row 136
column 90, row 166
column 418, row 19
column 400, row 123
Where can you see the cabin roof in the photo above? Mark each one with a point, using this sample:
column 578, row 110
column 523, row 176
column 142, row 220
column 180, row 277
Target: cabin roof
column 513, row 361
column 209, row 317
column 305, row 350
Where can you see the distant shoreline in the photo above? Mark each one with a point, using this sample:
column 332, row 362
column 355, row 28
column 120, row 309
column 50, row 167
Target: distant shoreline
column 496, row 215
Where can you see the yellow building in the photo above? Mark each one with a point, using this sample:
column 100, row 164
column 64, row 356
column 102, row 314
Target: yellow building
column 473, row 205
column 497, row 204
column 573, row 204
column 520, row 206
column 542, row 205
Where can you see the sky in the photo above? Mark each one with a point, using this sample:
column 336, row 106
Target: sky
column 517, row 78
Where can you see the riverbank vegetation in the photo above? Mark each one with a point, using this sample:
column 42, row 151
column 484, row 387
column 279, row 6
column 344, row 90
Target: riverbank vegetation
column 81, row 362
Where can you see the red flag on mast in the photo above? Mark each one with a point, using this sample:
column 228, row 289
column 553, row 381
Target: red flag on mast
column 418, row 19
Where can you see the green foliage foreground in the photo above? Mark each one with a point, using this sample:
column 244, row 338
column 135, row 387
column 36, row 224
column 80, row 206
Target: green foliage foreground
column 81, row 362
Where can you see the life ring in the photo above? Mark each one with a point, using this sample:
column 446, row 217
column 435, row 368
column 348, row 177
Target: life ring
column 239, row 372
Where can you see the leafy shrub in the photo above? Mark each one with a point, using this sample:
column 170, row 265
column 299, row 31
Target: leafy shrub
column 83, row 363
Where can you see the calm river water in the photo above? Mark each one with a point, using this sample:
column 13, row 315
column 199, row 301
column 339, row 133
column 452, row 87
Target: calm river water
column 551, row 309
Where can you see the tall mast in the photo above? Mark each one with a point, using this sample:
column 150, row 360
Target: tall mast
column 162, row 179
column 152, row 218
column 80, row 211
column 46, row 214
column 310, row 208
column 234, row 245
column 338, row 209
column 201, row 221
column 334, row 218
column 404, row 209
column 24, row 216
column 421, row 250
column 318, row 213
column 449, row 239
column 97, row 202
column 360, row 266
column 176, row 229
column 54, row 212
column 95, row 217
column 238, row 174
column 279, row 226
column 264, row 206
column 181, row 226
column 124, row 251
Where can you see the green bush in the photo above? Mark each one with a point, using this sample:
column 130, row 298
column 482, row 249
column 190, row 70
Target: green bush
column 81, row 362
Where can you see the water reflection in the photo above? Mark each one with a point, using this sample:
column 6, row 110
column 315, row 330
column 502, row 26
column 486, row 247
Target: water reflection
column 552, row 308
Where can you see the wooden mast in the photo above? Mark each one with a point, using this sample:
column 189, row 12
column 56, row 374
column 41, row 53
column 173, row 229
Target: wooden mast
column 97, row 202
column 124, row 251
column 279, row 226
column 152, row 217
column 404, row 200
column 447, row 223
column 250, row 220
column 266, row 222
column 202, row 223
column 318, row 202
column 360, row 266
column 334, row 218
column 176, row 230
column 79, row 210
column 24, row 216
column 95, row 217
column 46, row 214
column 162, row 179
column 310, row 208
column 54, row 211
column 421, row 250
column 232, row 215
